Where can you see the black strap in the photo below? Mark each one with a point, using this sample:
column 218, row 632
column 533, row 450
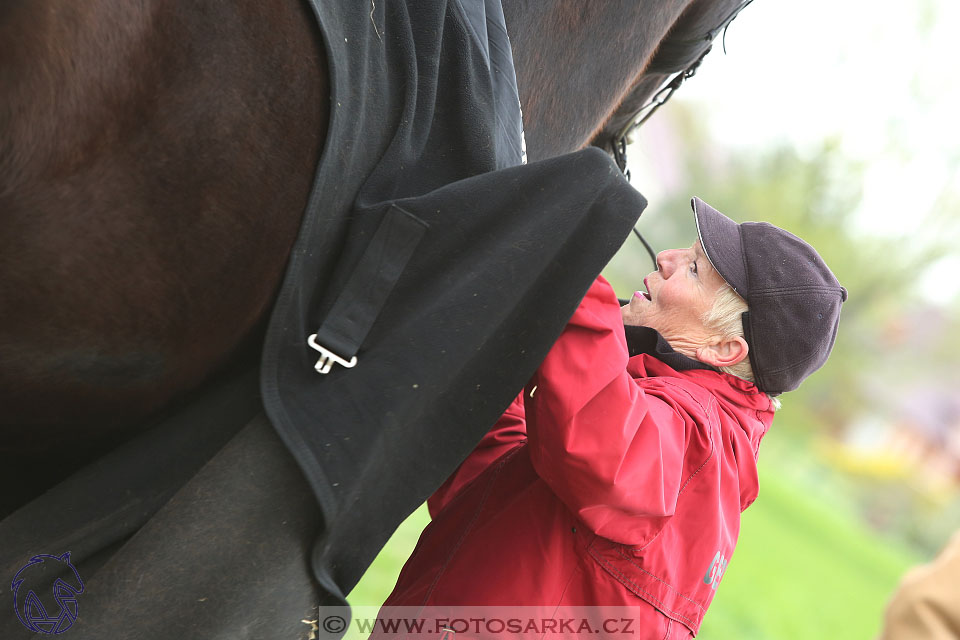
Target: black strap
column 343, row 331
column 649, row 341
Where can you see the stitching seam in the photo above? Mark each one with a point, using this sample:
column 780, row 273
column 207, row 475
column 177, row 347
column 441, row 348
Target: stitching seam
column 638, row 589
column 661, row 581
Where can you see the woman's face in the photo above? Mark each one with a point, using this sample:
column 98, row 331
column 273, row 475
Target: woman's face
column 677, row 297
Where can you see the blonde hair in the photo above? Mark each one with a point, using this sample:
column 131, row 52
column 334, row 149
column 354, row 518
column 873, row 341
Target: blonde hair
column 724, row 318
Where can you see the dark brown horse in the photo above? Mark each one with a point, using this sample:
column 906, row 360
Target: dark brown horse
column 155, row 159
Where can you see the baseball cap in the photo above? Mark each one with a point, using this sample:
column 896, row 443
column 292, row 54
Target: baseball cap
column 794, row 299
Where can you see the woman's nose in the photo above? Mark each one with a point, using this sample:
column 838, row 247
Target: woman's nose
column 666, row 261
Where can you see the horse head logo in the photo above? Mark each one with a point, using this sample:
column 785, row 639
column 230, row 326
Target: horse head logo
column 44, row 575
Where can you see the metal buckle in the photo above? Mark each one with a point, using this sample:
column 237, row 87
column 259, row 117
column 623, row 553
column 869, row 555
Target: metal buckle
column 327, row 357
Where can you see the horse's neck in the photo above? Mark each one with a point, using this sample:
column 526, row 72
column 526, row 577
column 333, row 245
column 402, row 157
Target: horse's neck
column 576, row 60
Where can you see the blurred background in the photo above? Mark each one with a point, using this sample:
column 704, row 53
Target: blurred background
column 835, row 121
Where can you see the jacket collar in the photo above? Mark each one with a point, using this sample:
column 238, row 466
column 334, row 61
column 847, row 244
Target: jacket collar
column 649, row 341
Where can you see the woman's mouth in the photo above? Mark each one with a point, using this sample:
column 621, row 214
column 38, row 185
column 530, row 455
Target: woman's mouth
column 644, row 294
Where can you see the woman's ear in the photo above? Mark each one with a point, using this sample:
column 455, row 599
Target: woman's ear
column 726, row 352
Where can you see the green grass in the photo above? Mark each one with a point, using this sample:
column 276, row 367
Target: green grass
column 378, row 581
column 804, row 568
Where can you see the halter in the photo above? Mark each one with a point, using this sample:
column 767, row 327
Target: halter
column 618, row 142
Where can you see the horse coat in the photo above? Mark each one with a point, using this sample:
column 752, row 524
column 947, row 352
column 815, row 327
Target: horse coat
column 425, row 127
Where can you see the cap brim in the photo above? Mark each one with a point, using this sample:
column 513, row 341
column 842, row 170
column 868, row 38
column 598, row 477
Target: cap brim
column 721, row 242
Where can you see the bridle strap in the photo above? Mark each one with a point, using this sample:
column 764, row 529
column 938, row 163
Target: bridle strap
column 618, row 142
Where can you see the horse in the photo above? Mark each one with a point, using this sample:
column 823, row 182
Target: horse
column 154, row 165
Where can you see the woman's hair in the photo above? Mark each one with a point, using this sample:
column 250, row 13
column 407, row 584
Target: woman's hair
column 725, row 319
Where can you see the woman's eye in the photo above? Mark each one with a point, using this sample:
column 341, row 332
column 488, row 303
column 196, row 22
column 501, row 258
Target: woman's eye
column 693, row 267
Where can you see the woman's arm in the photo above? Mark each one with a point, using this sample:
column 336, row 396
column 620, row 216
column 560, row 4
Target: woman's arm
column 509, row 432
column 609, row 446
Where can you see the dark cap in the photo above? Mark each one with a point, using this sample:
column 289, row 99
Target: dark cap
column 794, row 298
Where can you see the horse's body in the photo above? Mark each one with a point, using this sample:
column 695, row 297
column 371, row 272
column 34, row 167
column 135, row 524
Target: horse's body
column 154, row 165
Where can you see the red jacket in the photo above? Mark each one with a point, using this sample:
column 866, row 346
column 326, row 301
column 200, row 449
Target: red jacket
column 611, row 481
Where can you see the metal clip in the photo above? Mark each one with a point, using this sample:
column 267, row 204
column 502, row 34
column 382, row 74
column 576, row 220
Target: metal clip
column 327, row 357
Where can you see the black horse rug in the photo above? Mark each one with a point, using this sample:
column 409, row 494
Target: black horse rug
column 432, row 272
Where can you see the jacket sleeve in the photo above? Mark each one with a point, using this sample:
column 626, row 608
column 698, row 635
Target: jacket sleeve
column 610, row 447
column 509, row 431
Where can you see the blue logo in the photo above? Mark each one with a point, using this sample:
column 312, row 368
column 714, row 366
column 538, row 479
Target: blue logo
column 42, row 576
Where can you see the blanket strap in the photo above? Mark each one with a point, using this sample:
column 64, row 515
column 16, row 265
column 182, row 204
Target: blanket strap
column 345, row 328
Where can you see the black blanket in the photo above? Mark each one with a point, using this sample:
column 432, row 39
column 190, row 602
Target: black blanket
column 424, row 125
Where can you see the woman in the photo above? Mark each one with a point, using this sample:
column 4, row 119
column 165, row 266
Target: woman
column 611, row 489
